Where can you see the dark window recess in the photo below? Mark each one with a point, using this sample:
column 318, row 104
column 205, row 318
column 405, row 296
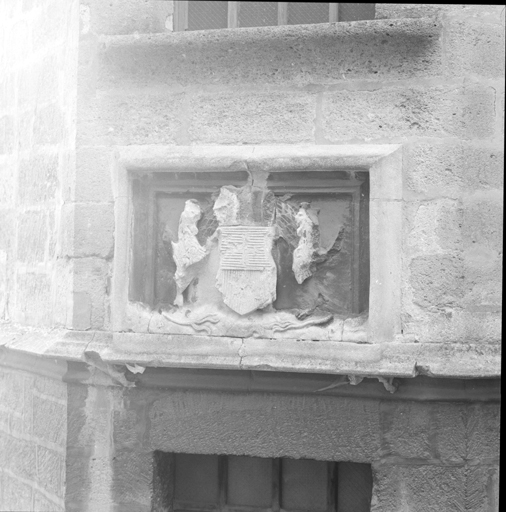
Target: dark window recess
column 208, row 15
column 184, row 482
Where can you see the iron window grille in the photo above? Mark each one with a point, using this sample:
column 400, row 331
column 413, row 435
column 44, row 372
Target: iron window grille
column 221, row 483
column 206, row 15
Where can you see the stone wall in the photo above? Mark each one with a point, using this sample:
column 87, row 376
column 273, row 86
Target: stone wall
column 38, row 42
column 440, row 454
column 33, row 434
column 433, row 84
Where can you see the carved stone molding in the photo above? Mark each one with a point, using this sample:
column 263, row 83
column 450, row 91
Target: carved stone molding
column 237, row 206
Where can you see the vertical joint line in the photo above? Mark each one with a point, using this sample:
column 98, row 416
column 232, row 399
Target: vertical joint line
column 233, row 15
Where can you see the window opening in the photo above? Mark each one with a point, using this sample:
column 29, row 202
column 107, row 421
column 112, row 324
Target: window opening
column 198, row 483
column 209, row 15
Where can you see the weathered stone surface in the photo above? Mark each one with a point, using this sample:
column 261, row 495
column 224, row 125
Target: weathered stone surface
column 481, row 488
column 38, row 178
column 448, row 427
column 92, row 227
column 187, row 251
column 49, row 471
column 252, row 118
column 90, row 290
column 32, row 232
column 419, row 488
column 17, row 495
column 128, row 16
column 49, row 421
column 145, row 117
column 297, row 54
column 32, row 299
column 438, row 281
column 93, row 181
column 474, row 48
column 334, row 429
column 451, row 169
column 399, row 113
column 482, row 427
column 406, row 430
column 49, row 126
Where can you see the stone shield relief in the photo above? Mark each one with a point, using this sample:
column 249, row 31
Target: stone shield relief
column 251, row 261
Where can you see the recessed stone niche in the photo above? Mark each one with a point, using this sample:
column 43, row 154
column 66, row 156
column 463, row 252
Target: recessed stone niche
column 223, row 242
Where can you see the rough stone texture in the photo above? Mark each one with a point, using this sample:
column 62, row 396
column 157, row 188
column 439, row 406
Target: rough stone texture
column 252, row 118
column 37, row 111
column 452, row 169
column 396, row 114
column 93, row 181
column 32, row 441
column 305, row 54
column 122, row 118
column 124, row 16
column 419, row 488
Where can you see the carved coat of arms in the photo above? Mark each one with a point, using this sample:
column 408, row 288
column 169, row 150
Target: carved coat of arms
column 246, row 222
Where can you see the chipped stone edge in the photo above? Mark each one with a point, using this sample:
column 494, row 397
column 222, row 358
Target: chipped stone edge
column 385, row 360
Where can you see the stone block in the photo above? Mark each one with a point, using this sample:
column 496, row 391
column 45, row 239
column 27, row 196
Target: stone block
column 418, row 488
column 7, row 168
column 38, row 178
column 52, row 24
column 296, row 54
column 120, row 118
column 43, row 504
column 32, row 301
column 90, row 290
column 32, row 237
column 94, row 230
column 17, row 495
column 453, row 325
column 93, row 175
column 20, row 458
column 483, row 432
column 50, row 387
column 49, row 471
column 128, row 16
column 330, row 428
column 406, row 428
column 396, row 114
column 448, row 431
column 452, row 169
column 474, row 48
column 6, row 135
column 433, row 227
column 253, row 118
column 49, row 420
column 438, row 281
column 48, row 125
column 483, row 220
column 39, row 82
column 11, row 391
column 485, row 13
column 479, row 481
column 133, row 476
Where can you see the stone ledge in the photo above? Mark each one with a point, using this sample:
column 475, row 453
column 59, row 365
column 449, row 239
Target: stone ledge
column 404, row 360
column 297, row 54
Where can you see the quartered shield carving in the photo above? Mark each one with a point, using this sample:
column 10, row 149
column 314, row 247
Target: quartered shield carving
column 247, row 273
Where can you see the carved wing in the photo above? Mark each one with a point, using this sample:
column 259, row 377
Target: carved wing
column 207, row 224
column 285, row 220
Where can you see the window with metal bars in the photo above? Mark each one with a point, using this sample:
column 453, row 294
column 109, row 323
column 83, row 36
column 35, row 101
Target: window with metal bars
column 207, row 15
column 198, row 483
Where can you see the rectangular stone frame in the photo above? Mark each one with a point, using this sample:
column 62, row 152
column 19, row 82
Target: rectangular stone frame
column 383, row 162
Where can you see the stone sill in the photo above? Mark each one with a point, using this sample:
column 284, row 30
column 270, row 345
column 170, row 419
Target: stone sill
column 410, row 27
column 402, row 360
